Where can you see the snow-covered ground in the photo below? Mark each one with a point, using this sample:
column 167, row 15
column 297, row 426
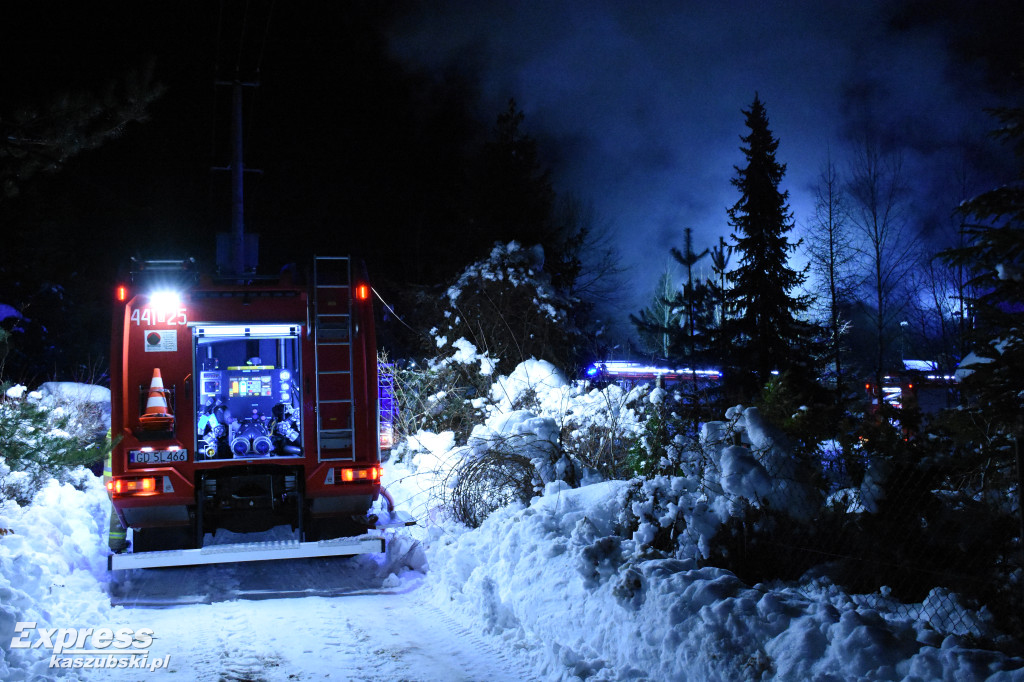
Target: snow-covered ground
column 541, row 590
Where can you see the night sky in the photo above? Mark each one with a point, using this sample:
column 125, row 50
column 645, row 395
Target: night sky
column 640, row 102
column 637, row 108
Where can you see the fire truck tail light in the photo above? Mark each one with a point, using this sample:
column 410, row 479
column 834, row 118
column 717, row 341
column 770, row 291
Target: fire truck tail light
column 132, row 486
column 350, row 474
column 122, row 293
column 362, row 292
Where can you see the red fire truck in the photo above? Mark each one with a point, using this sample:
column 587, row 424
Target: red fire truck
column 245, row 405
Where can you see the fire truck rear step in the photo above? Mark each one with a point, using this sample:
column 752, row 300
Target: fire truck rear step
column 248, row 551
column 395, row 519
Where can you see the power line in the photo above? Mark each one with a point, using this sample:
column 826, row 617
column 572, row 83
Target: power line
column 241, row 38
column 251, row 119
column 266, row 33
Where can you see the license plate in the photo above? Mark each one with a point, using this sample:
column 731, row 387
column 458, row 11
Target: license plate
column 157, row 456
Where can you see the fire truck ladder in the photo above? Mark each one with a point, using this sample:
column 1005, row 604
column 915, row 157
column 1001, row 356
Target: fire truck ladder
column 332, row 329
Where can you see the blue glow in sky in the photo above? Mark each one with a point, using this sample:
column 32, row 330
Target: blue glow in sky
column 640, row 103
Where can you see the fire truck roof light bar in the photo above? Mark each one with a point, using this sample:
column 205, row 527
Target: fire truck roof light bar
column 251, row 331
column 617, row 367
column 165, row 298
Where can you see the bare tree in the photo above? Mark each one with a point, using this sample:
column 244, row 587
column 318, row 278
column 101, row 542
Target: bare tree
column 887, row 248
column 832, row 258
column 960, row 290
column 930, row 315
column 944, row 316
column 599, row 270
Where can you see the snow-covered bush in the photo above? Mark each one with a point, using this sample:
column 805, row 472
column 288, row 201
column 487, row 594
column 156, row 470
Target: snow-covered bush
column 438, row 397
column 43, row 436
column 710, row 497
column 85, row 409
column 591, row 431
column 506, row 308
column 533, row 428
column 600, row 429
column 509, row 458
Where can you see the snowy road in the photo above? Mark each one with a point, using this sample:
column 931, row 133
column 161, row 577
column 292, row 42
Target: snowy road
column 315, row 619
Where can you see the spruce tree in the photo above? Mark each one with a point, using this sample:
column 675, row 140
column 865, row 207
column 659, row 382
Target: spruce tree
column 681, row 324
column 718, row 282
column 983, row 437
column 659, row 323
column 994, row 256
column 766, row 332
column 36, row 140
column 514, row 197
column 683, row 318
column 688, row 260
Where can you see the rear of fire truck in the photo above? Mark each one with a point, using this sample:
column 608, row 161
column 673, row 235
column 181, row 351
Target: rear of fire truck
column 244, row 406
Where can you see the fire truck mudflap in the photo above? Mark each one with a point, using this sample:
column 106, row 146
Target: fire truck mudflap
column 245, row 405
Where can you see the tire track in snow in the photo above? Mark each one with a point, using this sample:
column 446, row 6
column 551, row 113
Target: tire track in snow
column 369, row 634
column 226, row 646
column 240, row 657
column 480, row 658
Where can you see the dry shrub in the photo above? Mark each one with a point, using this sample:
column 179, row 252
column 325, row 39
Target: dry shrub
column 600, row 440
column 488, row 482
column 438, row 399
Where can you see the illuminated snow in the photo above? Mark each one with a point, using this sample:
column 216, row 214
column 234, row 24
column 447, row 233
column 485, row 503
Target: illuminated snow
column 551, row 583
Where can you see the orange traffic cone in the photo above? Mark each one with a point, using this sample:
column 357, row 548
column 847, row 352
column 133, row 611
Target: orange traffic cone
column 158, row 415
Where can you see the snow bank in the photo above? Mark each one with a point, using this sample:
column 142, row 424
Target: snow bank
column 534, row 375
column 52, row 553
column 87, row 406
column 563, row 578
column 560, row 577
column 555, row 577
column 53, row 393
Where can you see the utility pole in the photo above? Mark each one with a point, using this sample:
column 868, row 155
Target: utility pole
column 237, row 183
column 237, row 237
column 903, row 329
